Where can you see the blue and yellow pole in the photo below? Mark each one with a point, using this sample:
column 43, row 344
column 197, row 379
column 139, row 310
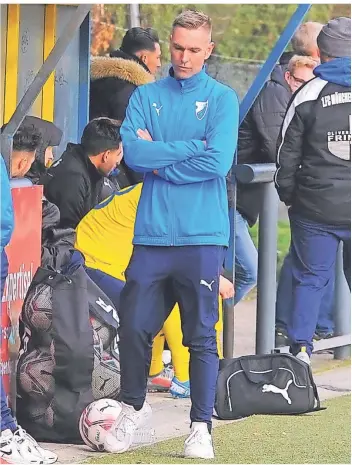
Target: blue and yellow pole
column 11, row 62
column 48, row 99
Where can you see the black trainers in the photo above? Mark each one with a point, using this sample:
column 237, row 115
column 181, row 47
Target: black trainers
column 281, row 338
column 318, row 336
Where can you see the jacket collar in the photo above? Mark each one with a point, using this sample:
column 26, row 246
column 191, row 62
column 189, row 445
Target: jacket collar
column 77, row 151
column 192, row 83
column 337, row 71
column 126, row 56
column 121, row 68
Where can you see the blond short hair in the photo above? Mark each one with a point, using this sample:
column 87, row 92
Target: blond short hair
column 192, row 19
column 304, row 41
column 298, row 61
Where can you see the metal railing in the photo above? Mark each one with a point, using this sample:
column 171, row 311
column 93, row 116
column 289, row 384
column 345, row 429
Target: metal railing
column 266, row 284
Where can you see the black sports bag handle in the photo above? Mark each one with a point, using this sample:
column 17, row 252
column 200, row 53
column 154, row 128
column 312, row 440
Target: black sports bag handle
column 254, row 376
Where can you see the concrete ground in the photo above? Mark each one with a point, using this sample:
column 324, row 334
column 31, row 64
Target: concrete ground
column 170, row 417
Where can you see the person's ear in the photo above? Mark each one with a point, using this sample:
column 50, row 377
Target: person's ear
column 170, row 41
column 287, row 76
column 22, row 164
column 105, row 156
column 209, row 50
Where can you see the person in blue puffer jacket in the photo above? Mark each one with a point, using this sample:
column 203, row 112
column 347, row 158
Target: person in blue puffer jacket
column 181, row 132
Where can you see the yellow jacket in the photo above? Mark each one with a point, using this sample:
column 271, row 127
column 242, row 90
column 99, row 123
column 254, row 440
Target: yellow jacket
column 104, row 236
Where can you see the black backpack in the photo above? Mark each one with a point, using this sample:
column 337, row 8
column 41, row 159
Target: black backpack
column 265, row 384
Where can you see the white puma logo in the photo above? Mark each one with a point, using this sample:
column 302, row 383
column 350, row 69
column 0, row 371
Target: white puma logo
column 277, row 390
column 157, row 109
column 208, row 285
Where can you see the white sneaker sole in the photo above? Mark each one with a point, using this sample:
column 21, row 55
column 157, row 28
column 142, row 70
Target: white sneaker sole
column 191, row 455
column 140, row 436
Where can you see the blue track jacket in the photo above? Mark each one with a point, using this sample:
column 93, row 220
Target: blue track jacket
column 185, row 203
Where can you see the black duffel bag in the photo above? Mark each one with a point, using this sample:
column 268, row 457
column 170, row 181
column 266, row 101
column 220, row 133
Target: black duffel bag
column 265, row 384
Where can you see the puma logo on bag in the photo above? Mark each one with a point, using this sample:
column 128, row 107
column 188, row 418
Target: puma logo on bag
column 277, row 390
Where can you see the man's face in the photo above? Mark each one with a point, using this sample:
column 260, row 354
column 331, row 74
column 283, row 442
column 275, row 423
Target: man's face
column 152, row 59
column 21, row 163
column 110, row 160
column 298, row 77
column 189, row 49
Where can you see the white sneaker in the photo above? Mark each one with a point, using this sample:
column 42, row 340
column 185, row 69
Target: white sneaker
column 130, row 427
column 199, row 444
column 19, row 447
column 48, row 456
column 302, row 355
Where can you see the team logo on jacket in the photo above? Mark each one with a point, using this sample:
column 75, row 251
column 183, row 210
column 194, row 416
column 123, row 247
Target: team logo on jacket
column 339, row 144
column 201, row 109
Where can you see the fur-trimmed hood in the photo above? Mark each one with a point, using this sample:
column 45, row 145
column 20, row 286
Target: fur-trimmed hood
column 127, row 70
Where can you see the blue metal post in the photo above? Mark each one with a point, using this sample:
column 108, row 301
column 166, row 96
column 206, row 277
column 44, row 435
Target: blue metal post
column 273, row 58
column 84, row 74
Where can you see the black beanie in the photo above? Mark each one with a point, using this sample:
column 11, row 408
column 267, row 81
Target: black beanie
column 334, row 39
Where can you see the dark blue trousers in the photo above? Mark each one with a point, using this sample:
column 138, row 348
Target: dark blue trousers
column 314, row 249
column 108, row 284
column 156, row 278
column 325, row 324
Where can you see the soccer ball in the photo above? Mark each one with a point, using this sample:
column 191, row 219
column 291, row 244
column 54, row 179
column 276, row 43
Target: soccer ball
column 96, row 419
column 38, row 309
column 35, row 373
column 106, row 377
column 104, row 332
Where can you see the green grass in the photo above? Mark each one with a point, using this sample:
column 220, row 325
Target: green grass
column 322, row 437
column 283, row 240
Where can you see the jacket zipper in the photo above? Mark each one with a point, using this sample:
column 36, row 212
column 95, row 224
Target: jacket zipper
column 173, row 217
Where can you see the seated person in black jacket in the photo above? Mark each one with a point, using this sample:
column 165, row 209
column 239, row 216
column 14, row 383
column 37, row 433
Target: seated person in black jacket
column 74, row 182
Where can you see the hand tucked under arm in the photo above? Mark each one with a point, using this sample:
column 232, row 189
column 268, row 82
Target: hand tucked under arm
column 218, row 150
column 140, row 152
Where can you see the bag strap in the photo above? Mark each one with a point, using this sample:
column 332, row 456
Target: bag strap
column 315, row 392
